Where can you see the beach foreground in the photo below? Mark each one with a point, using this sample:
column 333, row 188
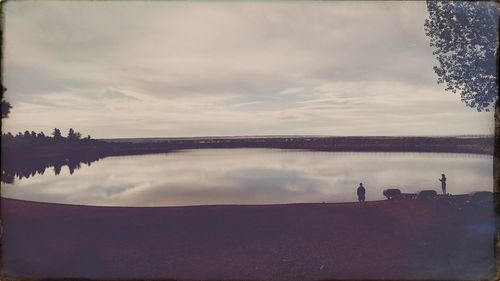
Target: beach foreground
column 407, row 239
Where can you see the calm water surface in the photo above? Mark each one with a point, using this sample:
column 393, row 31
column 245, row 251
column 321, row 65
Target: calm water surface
column 252, row 176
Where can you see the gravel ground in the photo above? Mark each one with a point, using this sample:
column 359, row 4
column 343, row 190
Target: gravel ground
column 407, row 239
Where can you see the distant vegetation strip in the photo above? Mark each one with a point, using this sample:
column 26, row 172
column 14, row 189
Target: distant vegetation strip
column 32, row 144
column 473, row 145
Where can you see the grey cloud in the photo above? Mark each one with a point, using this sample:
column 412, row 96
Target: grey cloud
column 114, row 94
column 203, row 68
column 27, row 82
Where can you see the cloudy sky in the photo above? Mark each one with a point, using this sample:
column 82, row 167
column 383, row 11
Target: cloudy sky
column 152, row 69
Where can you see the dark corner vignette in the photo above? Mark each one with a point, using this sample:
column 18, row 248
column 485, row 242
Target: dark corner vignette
column 210, row 225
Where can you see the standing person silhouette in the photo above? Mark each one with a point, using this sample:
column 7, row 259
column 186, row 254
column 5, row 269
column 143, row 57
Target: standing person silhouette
column 361, row 194
column 443, row 183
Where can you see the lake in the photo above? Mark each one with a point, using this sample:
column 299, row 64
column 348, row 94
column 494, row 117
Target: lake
column 252, row 176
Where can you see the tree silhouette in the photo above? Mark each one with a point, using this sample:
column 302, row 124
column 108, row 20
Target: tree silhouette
column 73, row 136
column 465, row 37
column 57, row 134
column 5, row 104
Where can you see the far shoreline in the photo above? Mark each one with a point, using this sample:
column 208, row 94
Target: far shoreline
column 480, row 144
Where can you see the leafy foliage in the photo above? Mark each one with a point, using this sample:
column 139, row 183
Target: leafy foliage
column 74, row 136
column 57, row 134
column 5, row 104
column 465, row 37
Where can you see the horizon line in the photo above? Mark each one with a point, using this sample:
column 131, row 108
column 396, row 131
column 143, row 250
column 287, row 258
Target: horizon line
column 301, row 136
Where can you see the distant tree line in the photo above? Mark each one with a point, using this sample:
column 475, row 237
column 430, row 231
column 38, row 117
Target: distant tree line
column 40, row 138
column 30, row 153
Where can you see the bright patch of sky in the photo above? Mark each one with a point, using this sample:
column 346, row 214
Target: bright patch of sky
column 166, row 68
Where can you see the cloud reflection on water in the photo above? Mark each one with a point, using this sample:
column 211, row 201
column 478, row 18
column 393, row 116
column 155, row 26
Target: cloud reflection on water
column 252, row 176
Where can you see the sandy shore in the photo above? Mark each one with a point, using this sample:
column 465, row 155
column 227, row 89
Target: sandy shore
column 411, row 239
